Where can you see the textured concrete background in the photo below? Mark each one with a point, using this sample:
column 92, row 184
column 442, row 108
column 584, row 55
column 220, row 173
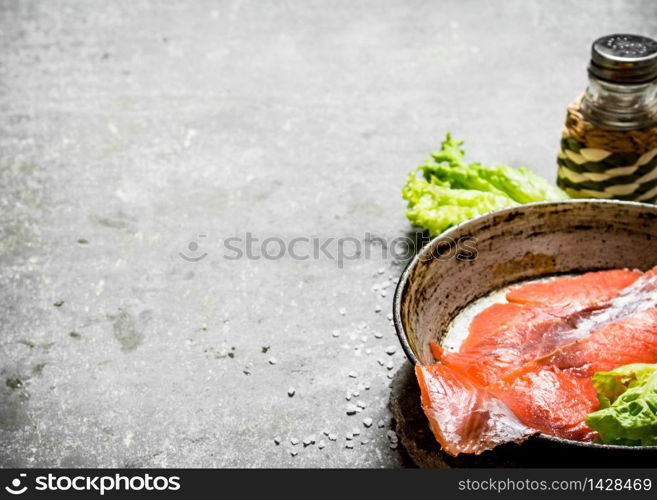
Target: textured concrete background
column 130, row 128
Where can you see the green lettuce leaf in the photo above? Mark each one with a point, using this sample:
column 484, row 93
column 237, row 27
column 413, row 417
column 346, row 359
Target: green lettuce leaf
column 436, row 207
column 521, row 184
column 628, row 405
column 447, row 190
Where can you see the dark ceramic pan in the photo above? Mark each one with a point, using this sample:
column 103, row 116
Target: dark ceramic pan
column 531, row 241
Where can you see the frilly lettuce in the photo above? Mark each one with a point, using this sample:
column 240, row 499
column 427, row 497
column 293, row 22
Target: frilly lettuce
column 628, row 405
column 446, row 190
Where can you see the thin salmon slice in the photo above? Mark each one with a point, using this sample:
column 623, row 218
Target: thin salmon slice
column 554, row 394
column 585, row 290
column 551, row 401
column 538, row 318
column 631, row 340
column 504, row 325
column 519, row 333
column 514, row 337
column 463, row 417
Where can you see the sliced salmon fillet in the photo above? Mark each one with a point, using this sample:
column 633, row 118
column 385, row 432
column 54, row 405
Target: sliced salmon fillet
column 515, row 335
column 503, row 325
column 486, row 353
column 631, row 340
column 463, row 417
column 585, row 290
column 554, row 393
column 533, row 359
column 551, row 400
column 519, row 333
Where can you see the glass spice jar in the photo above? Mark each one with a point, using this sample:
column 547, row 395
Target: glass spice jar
column 609, row 143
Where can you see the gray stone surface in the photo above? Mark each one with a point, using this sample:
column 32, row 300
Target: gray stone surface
column 128, row 129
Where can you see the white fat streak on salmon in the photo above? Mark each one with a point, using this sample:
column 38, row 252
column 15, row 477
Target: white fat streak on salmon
column 638, row 297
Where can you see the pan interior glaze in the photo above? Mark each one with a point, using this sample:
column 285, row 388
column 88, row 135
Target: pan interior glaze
column 491, row 252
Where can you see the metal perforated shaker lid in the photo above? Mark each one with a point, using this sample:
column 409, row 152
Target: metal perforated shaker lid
column 624, row 59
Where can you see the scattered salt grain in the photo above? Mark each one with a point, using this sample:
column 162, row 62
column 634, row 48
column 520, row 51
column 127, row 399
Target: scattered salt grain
column 392, row 436
column 308, row 441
